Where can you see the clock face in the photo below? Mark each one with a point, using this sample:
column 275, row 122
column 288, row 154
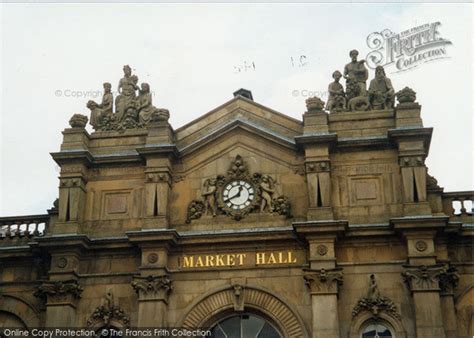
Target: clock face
column 238, row 194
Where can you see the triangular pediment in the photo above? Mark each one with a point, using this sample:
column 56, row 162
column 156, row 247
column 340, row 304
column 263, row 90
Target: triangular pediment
column 238, row 113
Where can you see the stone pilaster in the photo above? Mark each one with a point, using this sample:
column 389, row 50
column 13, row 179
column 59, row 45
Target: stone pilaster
column 422, row 273
column 323, row 277
column 74, row 160
column 61, row 299
column 423, row 284
column 448, row 280
column 153, row 293
column 316, row 141
column 153, row 286
column 324, row 285
column 159, row 152
column 413, row 147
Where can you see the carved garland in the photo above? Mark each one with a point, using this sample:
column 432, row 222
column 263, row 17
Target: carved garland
column 259, row 187
column 108, row 314
column 375, row 303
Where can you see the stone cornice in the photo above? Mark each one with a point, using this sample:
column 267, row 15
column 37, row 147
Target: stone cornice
column 416, row 223
column 249, row 126
column 310, row 229
column 316, row 138
column 154, row 237
column 64, row 242
column 158, row 149
column 73, row 156
column 417, row 133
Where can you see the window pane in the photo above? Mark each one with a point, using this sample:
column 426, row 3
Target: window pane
column 376, row 330
column 268, row 332
column 244, row 326
column 231, row 327
column 216, row 332
column 251, row 326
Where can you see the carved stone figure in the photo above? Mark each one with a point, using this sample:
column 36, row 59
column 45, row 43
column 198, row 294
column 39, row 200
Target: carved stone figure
column 373, row 292
column 337, row 97
column 209, row 195
column 267, row 191
column 127, row 88
column 356, row 73
column 381, row 92
column 145, row 106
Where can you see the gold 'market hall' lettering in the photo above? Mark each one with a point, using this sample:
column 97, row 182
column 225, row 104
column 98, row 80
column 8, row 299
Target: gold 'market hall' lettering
column 239, row 259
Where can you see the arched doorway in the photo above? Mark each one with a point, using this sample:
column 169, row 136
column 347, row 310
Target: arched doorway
column 241, row 300
column 247, row 325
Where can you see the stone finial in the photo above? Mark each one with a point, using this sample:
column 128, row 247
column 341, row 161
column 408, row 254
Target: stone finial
column 406, row 95
column 78, row 121
column 315, row 105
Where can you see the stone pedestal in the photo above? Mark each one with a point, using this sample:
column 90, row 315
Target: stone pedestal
column 323, row 278
column 422, row 275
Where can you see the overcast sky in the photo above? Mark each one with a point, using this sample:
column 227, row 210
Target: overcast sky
column 191, row 56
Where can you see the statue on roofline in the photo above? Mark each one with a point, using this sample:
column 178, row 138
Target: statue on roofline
column 381, row 92
column 131, row 111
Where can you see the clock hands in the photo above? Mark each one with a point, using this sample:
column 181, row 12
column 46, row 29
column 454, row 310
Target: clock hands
column 235, row 195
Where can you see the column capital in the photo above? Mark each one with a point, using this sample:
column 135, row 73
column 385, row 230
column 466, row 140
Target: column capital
column 324, row 282
column 152, row 287
column 59, row 293
column 423, row 277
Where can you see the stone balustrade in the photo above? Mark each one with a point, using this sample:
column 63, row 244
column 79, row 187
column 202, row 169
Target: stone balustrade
column 23, row 226
column 458, row 206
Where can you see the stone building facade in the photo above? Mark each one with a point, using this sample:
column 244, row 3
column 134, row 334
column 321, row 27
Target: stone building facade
column 245, row 220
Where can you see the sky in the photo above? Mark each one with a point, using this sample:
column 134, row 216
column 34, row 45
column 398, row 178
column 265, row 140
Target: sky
column 55, row 57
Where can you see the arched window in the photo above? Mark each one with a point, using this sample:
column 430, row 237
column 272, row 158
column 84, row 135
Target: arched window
column 244, row 326
column 377, row 330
